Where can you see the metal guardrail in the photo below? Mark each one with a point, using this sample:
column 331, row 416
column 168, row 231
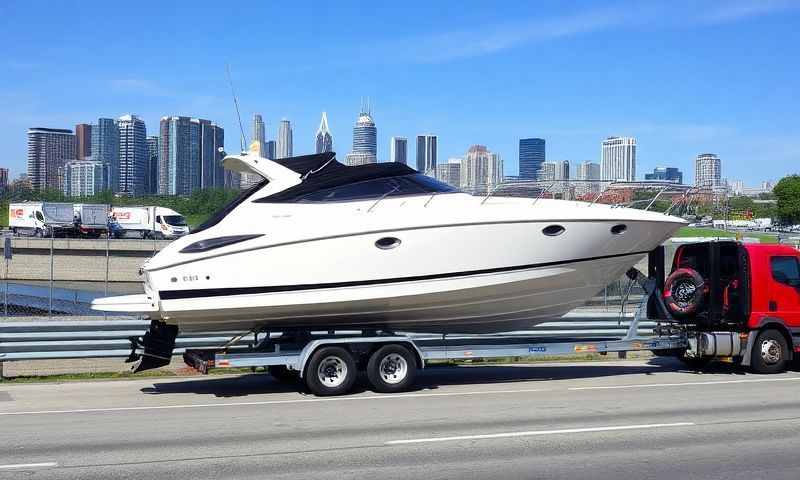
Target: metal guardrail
column 49, row 340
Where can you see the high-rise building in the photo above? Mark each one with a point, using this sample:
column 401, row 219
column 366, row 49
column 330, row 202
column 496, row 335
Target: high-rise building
column 105, row 146
column 587, row 175
column 427, row 151
column 259, row 132
column 666, row 174
column 531, row 156
column 130, row 176
column 270, row 149
column 324, row 139
column 49, row 149
column 618, row 160
column 562, row 170
column 450, row 172
column 547, row 171
column 151, row 170
column 365, row 141
column 708, row 171
column 284, row 143
column 189, row 156
column 476, row 169
column 495, row 173
column 83, row 140
column 398, row 150
column 85, row 177
column 3, row 179
column 206, row 166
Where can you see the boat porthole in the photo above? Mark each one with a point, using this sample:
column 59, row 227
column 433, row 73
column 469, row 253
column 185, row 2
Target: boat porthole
column 619, row 229
column 553, row 230
column 386, row 243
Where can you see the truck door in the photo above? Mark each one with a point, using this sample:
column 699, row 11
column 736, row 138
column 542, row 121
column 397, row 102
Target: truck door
column 784, row 299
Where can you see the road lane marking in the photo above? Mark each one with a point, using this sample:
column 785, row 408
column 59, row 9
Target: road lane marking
column 680, row 384
column 24, row 466
column 534, row 433
column 276, row 402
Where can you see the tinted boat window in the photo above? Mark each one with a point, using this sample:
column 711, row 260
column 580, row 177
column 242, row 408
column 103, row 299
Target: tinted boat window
column 376, row 188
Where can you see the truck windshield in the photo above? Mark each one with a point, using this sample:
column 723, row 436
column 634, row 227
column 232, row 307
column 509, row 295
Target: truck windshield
column 175, row 220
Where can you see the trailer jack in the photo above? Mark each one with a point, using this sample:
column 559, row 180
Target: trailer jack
column 156, row 347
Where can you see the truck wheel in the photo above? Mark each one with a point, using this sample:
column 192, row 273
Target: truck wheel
column 283, row 374
column 392, row 368
column 331, row 371
column 770, row 352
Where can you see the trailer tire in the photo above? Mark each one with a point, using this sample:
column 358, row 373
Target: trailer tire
column 331, row 371
column 283, row 374
column 770, row 352
column 392, row 368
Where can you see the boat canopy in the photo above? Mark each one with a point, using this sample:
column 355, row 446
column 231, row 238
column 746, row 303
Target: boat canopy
column 325, row 179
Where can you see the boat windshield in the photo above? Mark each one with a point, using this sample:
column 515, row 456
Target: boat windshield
column 415, row 184
column 224, row 211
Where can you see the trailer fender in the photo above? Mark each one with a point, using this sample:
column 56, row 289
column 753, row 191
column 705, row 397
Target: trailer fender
column 311, row 347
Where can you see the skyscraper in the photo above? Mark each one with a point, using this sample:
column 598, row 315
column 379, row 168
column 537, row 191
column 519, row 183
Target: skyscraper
column 531, row 156
column 587, row 174
column 427, row 150
column 105, row 146
column 618, row 161
column 85, row 177
column 284, row 144
column 562, row 170
column 708, row 171
column 398, row 150
column 3, row 179
column 189, row 156
column 365, row 141
column 83, row 140
column 151, row 170
column 131, row 168
column 450, row 172
column 495, row 173
column 174, row 156
column 475, row 170
column 324, row 140
column 547, row 172
column 270, row 149
column 667, row 174
column 259, row 132
column 49, row 149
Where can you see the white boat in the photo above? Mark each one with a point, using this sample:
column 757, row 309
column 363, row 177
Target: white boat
column 321, row 245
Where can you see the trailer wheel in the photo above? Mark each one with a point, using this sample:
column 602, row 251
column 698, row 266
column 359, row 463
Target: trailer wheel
column 331, row 371
column 283, row 374
column 770, row 352
column 392, row 368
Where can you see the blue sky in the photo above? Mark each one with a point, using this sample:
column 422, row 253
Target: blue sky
column 683, row 77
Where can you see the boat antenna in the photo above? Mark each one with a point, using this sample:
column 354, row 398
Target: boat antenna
column 236, row 104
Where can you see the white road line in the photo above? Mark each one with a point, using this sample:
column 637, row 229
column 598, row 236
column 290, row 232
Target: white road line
column 681, row 384
column 276, row 402
column 534, row 433
column 24, row 466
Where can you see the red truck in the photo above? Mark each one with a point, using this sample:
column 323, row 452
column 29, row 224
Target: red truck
column 739, row 302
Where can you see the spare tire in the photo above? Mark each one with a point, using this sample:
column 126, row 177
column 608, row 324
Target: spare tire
column 684, row 291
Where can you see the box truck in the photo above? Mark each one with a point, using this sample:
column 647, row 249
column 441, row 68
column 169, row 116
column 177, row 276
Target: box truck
column 90, row 220
column 41, row 219
column 148, row 222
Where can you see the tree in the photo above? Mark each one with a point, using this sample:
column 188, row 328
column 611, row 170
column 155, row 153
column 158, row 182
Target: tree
column 787, row 192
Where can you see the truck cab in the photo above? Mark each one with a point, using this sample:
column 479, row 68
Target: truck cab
column 741, row 302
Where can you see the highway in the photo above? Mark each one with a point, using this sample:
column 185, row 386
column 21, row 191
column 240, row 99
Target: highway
column 642, row 419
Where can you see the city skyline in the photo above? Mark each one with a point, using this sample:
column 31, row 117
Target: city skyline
column 655, row 95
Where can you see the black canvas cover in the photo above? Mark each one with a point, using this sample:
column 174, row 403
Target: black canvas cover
column 321, row 176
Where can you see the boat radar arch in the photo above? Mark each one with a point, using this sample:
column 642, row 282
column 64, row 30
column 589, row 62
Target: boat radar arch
column 251, row 162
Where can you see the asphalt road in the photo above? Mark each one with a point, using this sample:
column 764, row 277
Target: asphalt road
column 611, row 420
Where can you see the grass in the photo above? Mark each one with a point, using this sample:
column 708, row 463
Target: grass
column 713, row 232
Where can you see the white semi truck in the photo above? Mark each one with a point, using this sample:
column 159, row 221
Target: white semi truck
column 41, row 219
column 90, row 220
column 147, row 222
